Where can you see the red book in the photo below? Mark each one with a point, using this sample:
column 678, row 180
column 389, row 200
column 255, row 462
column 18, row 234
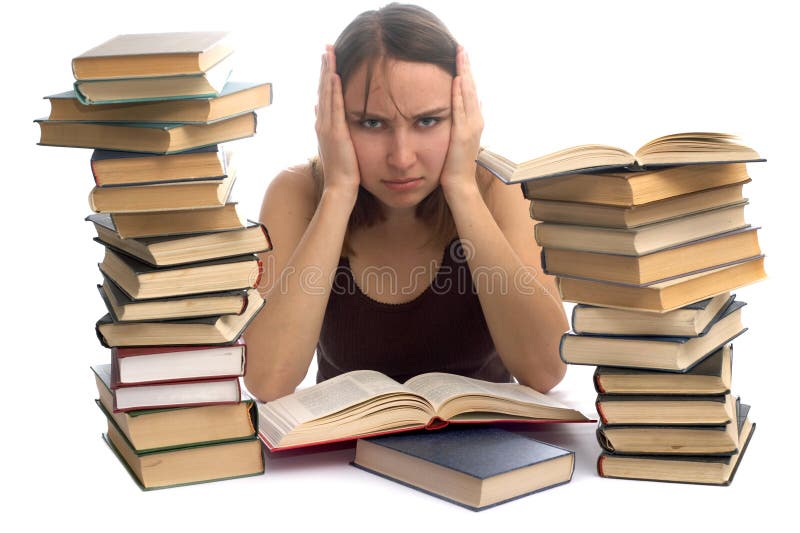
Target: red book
column 366, row 403
column 158, row 364
column 171, row 394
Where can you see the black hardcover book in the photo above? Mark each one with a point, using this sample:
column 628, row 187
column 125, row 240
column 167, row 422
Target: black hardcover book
column 473, row 467
column 141, row 281
column 212, row 330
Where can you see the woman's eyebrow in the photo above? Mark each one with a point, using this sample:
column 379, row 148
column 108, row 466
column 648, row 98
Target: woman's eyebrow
column 431, row 112
column 358, row 115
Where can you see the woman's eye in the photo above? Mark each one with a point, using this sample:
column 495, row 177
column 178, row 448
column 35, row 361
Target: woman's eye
column 428, row 121
column 371, row 123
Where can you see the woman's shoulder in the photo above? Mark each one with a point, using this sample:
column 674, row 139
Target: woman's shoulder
column 292, row 188
column 297, row 180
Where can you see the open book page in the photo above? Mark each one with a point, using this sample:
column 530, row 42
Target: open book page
column 332, row 396
column 438, row 388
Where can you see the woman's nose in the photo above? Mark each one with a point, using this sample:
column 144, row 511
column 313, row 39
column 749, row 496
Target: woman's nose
column 402, row 153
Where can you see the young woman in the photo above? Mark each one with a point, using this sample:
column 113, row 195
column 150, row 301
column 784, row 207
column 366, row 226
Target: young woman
column 392, row 250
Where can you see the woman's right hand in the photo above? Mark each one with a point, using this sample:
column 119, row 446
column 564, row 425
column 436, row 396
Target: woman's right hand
column 336, row 151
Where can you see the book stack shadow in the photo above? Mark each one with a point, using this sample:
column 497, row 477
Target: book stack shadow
column 179, row 270
column 651, row 257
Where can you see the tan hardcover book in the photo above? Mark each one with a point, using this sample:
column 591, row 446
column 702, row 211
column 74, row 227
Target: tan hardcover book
column 365, row 403
column 670, row 354
column 153, row 54
column 234, row 99
column 192, row 464
column 664, row 296
column 186, row 332
column 620, row 409
column 688, row 321
column 628, row 189
column 672, row 440
column 182, row 249
column 141, row 281
column 152, row 137
column 702, row 469
column 643, row 239
column 675, row 149
column 681, row 260
column 182, row 222
column 712, row 375
column 609, row 216
column 175, row 196
column 123, row 308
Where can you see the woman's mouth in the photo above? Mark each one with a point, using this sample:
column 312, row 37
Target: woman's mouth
column 402, row 184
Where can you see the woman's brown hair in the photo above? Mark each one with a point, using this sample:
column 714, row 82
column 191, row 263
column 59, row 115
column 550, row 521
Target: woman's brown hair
column 407, row 33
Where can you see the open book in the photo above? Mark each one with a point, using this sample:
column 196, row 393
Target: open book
column 675, row 149
column 367, row 403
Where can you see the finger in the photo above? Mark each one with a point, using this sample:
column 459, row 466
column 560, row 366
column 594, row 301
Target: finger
column 324, row 105
column 468, row 89
column 337, row 101
column 459, row 115
column 331, row 55
column 321, row 74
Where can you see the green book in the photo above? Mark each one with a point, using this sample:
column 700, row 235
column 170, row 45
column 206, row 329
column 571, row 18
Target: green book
column 187, row 466
column 150, row 137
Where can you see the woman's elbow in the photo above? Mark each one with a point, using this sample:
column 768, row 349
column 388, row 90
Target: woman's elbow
column 268, row 388
column 544, row 379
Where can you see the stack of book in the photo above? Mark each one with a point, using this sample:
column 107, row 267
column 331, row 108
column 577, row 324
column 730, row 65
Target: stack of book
column 180, row 268
column 650, row 246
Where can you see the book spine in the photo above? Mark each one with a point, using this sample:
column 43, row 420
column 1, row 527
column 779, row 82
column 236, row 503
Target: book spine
column 543, row 259
column 115, row 379
column 574, row 310
column 599, row 407
column 245, row 302
column 94, row 174
column 260, row 273
column 266, row 236
column 561, row 348
column 602, row 440
column 598, row 385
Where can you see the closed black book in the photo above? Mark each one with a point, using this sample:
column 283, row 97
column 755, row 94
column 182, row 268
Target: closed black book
column 473, row 467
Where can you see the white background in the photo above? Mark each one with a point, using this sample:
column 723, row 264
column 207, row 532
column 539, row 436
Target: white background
column 549, row 76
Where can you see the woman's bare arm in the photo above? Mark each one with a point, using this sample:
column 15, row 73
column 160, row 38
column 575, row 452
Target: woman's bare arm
column 521, row 305
column 307, row 244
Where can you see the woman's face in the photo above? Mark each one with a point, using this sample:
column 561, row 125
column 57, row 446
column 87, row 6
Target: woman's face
column 401, row 143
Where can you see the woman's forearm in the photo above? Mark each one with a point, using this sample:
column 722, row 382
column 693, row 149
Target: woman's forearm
column 282, row 339
column 522, row 308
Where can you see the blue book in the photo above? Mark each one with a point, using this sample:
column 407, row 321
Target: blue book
column 236, row 98
column 476, row 468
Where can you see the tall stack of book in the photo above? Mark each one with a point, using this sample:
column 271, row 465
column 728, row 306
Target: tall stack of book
column 650, row 247
column 179, row 271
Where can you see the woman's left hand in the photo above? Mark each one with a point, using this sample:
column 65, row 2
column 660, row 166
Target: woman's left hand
column 458, row 173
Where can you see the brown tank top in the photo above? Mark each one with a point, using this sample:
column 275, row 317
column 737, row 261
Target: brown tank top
column 442, row 330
